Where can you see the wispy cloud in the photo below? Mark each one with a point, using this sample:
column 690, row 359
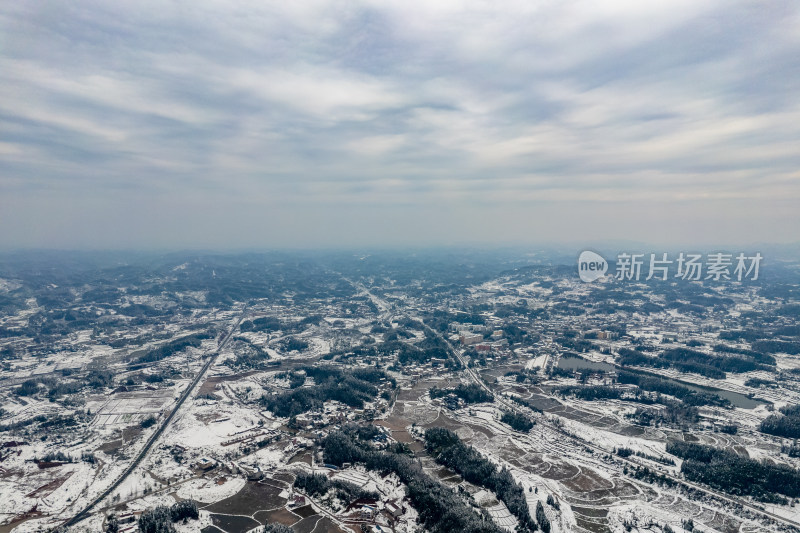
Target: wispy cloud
column 340, row 120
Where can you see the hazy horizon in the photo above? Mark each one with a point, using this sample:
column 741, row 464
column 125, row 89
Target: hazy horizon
column 166, row 127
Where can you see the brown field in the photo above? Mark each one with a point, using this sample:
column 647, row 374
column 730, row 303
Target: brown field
column 560, row 471
column 284, row 477
column 416, row 447
column 281, row 516
column 233, row 523
column 305, row 511
column 620, row 490
column 630, row 431
column 307, row 525
column 111, row 447
column 393, row 423
column 253, row 497
column 444, row 422
column 210, row 384
column 397, row 426
column 326, row 525
column 447, row 476
column 131, row 432
column 587, row 481
column 590, row 512
column 301, row 457
column 511, row 451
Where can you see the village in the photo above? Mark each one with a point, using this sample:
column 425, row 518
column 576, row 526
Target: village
column 229, row 407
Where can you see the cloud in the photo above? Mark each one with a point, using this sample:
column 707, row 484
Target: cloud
column 367, row 114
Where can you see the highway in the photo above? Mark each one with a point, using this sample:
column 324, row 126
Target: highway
column 84, row 513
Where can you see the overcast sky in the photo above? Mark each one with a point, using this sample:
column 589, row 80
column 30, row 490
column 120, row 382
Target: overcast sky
column 270, row 124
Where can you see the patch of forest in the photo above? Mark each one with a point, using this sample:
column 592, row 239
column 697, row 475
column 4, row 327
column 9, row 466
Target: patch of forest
column 471, row 393
column 352, row 387
column 517, row 421
column 320, row 485
column 685, row 394
column 440, row 509
column 786, row 424
column 686, row 360
column 445, row 446
column 171, row 348
column 727, row 471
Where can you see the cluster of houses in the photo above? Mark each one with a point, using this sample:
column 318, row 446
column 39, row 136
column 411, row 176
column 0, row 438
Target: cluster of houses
column 334, row 412
column 482, row 340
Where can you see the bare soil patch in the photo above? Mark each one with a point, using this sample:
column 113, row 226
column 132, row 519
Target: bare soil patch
column 47, row 488
column 17, row 520
column 301, row 457
column 131, row 432
column 111, row 447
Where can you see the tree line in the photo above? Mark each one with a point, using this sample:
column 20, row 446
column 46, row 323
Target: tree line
column 445, row 446
column 786, row 424
column 173, row 347
column 685, row 394
column 685, row 360
column 727, row 471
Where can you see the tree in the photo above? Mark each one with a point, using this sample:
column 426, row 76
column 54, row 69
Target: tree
column 541, row 518
column 517, row 421
column 552, row 502
column 112, row 524
column 183, row 510
column 157, row 520
column 277, row 528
